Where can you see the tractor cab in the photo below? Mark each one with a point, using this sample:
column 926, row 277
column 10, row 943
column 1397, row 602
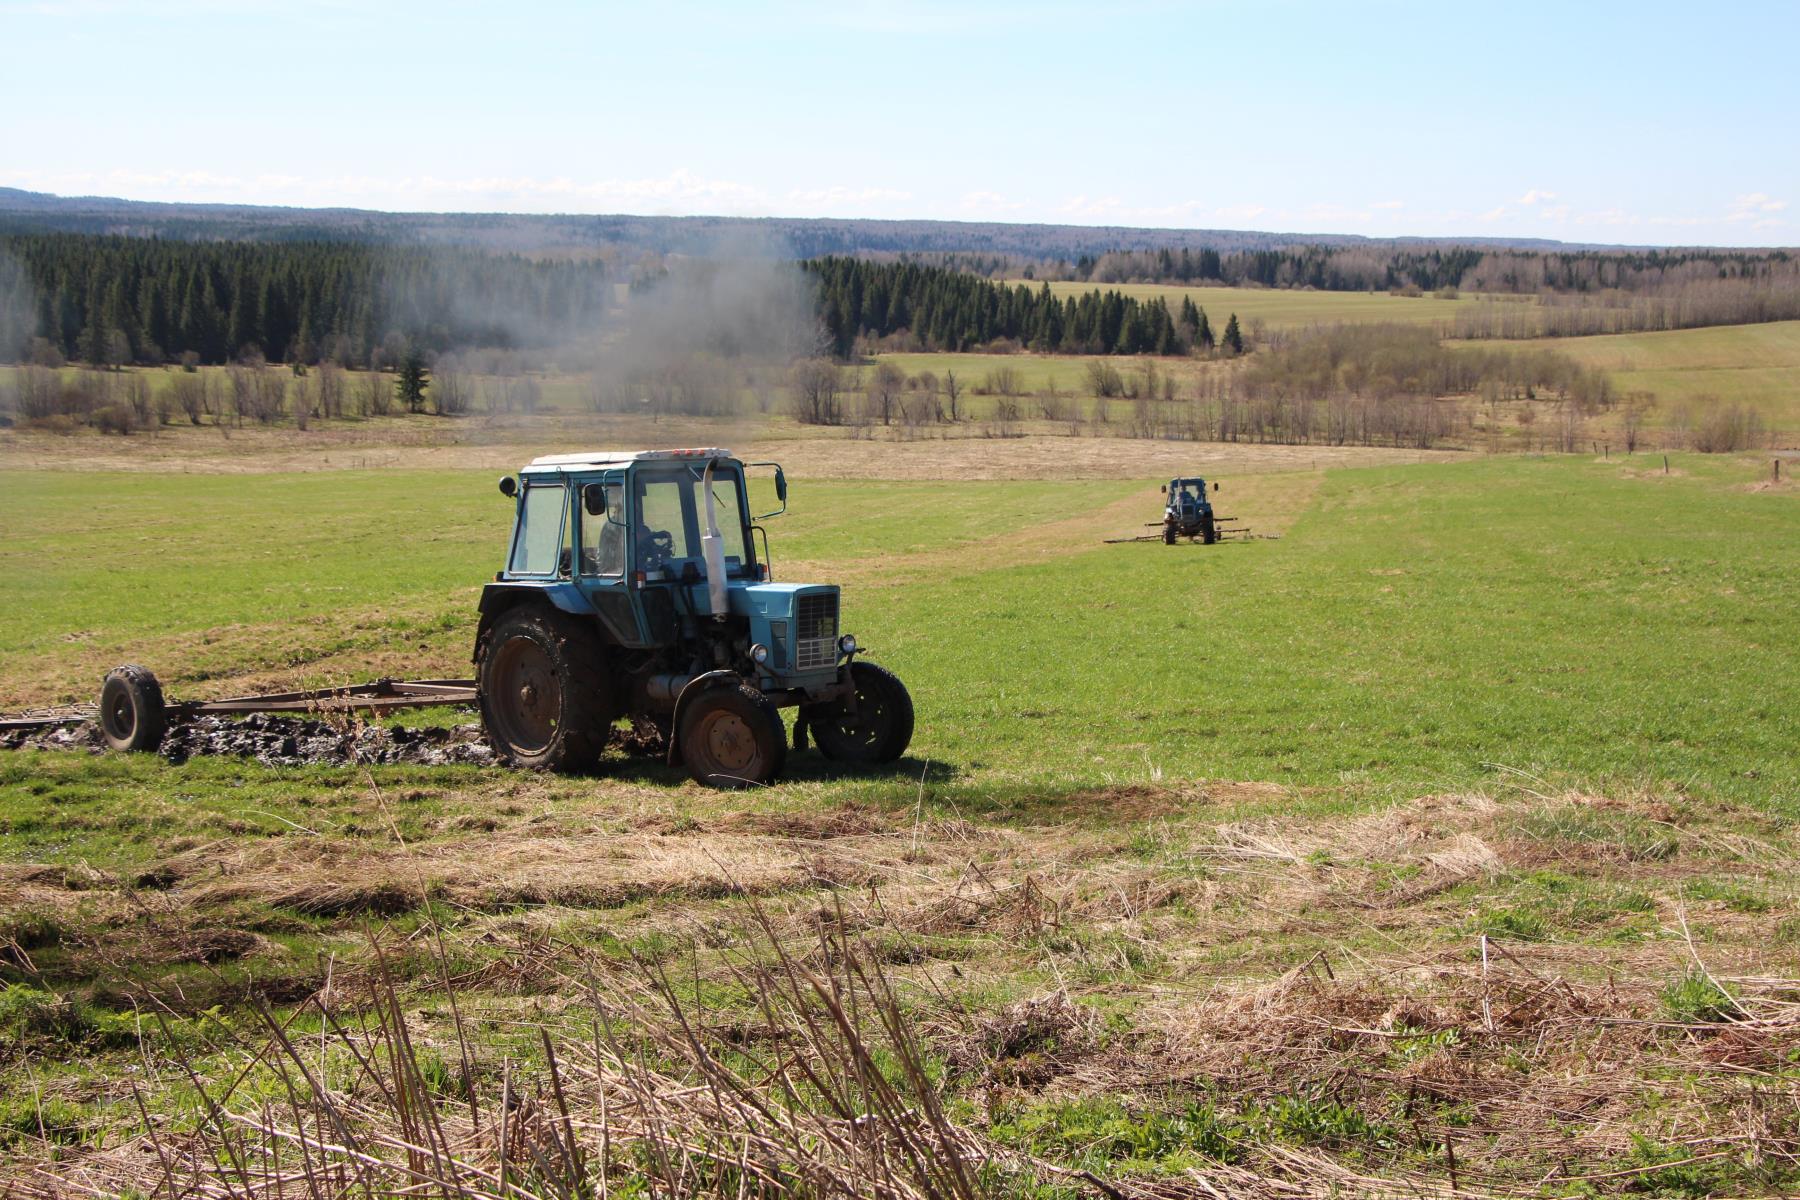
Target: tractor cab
column 1187, row 497
column 648, row 559
column 1187, row 512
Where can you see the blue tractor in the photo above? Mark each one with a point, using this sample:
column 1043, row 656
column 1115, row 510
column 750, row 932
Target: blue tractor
column 1188, row 513
column 633, row 589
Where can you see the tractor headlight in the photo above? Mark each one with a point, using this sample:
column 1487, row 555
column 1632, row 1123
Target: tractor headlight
column 847, row 644
column 759, row 654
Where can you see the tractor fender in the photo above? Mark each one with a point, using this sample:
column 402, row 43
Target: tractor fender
column 499, row 598
column 694, row 687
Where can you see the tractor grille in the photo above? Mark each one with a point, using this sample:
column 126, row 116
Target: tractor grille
column 815, row 631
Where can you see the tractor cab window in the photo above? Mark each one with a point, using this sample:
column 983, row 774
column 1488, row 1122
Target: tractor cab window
column 539, row 541
column 603, row 537
column 671, row 514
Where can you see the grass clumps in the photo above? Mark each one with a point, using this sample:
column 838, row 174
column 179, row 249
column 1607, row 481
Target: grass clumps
column 1697, row 999
column 1104, row 1135
column 34, row 1018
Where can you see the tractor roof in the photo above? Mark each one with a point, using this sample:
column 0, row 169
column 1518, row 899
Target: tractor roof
column 551, row 463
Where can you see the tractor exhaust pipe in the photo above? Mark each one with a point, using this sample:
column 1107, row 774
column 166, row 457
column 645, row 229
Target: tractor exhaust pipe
column 712, row 549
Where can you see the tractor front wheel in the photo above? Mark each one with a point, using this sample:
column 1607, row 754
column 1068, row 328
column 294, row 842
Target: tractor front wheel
column 876, row 729
column 732, row 737
column 1169, row 534
column 545, row 702
column 132, row 716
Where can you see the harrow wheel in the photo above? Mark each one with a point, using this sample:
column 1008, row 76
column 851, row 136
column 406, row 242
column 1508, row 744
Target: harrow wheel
column 879, row 728
column 732, row 737
column 132, row 716
column 544, row 698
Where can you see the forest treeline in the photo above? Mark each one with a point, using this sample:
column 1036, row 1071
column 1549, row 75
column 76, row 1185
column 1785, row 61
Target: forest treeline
column 1363, row 268
column 913, row 305
column 108, row 301
column 113, row 300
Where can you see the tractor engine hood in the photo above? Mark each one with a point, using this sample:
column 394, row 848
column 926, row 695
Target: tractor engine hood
column 798, row 622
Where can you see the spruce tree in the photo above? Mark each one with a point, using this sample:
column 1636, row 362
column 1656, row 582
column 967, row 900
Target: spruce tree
column 1234, row 339
column 1203, row 334
column 413, row 381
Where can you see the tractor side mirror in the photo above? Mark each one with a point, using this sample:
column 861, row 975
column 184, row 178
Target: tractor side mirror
column 780, row 489
column 1163, row 488
column 1215, row 487
column 593, row 499
column 509, row 487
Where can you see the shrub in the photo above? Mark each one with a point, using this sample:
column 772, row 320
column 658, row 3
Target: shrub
column 114, row 418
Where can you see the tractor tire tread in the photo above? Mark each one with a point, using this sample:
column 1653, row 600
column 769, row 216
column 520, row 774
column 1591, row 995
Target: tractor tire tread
column 899, row 732
column 147, row 702
column 775, row 734
column 583, row 673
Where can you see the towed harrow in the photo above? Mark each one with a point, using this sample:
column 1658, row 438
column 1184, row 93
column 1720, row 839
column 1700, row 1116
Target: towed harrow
column 1225, row 529
column 133, row 714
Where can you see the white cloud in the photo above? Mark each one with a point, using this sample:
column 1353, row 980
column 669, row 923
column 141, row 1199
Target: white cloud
column 1536, row 196
column 1756, row 207
column 1388, row 204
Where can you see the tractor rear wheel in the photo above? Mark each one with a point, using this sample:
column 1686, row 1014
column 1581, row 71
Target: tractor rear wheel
column 546, row 702
column 132, row 716
column 1209, row 533
column 879, row 728
column 732, row 737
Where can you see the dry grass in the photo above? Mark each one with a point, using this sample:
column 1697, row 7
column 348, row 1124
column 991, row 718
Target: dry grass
column 857, row 1002
column 954, row 453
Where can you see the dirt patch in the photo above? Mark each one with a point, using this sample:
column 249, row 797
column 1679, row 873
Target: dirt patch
column 278, row 741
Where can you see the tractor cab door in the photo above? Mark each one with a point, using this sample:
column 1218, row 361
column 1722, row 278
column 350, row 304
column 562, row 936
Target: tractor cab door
column 603, row 536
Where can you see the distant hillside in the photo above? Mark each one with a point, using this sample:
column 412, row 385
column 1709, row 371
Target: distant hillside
column 38, row 212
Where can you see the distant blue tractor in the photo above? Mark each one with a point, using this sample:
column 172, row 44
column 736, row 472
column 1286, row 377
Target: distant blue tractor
column 1188, row 513
column 633, row 589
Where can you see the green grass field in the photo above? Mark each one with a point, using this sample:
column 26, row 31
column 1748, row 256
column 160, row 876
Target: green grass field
column 1756, row 365
column 1343, row 652
column 1548, row 702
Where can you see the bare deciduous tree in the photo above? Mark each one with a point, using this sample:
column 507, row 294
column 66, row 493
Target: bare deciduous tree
column 814, row 384
column 374, row 395
column 452, row 392
column 953, row 390
column 884, row 389
column 329, row 379
column 137, row 394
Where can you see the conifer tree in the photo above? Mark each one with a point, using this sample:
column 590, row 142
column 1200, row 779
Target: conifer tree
column 413, row 381
column 1234, row 339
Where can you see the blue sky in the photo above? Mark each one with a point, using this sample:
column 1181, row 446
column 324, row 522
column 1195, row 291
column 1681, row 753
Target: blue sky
column 1640, row 123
